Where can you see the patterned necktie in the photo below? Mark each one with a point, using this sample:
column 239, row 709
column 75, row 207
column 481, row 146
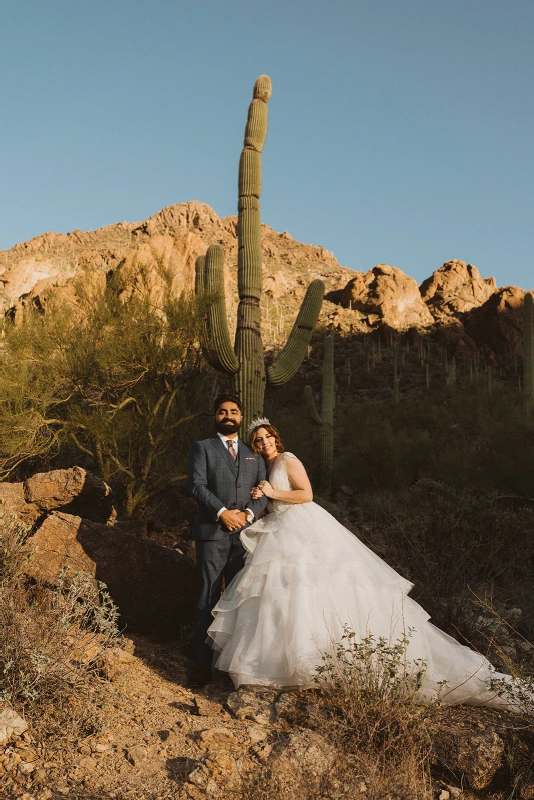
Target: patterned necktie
column 231, row 448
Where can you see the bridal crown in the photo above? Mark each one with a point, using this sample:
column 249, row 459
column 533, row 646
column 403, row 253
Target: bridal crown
column 256, row 423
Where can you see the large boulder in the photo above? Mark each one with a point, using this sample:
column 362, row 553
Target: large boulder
column 455, row 288
column 55, row 546
column 475, row 756
column 74, row 490
column 153, row 586
column 385, row 295
column 13, row 504
column 25, row 273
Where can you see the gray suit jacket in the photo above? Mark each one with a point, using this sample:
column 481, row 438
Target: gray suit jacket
column 215, row 482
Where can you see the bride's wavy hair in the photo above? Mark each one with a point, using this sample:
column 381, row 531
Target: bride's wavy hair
column 273, row 431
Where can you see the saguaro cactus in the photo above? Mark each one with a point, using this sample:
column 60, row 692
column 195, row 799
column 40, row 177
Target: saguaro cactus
column 245, row 360
column 326, row 418
column 528, row 353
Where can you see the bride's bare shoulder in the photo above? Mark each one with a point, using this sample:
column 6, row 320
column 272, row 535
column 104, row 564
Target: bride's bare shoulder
column 290, row 459
column 293, row 464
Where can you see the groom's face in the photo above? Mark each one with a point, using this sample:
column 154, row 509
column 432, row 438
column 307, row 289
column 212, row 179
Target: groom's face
column 228, row 419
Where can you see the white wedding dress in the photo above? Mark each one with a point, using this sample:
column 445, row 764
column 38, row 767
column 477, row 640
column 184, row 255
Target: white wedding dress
column 305, row 578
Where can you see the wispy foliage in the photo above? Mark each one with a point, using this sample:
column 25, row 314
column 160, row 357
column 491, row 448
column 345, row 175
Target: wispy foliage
column 102, row 373
column 52, row 640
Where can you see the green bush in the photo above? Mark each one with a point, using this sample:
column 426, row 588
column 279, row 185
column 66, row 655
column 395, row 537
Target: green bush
column 365, row 712
column 105, row 378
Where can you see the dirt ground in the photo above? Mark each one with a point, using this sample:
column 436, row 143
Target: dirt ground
column 154, row 736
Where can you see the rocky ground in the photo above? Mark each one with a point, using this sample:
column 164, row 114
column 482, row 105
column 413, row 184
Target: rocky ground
column 161, row 739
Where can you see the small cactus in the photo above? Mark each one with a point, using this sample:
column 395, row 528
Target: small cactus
column 245, row 360
column 326, row 419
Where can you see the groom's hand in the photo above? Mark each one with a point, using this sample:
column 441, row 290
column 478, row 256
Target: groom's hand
column 233, row 520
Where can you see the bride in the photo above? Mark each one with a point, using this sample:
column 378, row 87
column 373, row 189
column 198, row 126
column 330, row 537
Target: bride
column 306, row 579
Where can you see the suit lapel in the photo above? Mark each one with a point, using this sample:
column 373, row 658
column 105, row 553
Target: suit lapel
column 244, row 453
column 221, row 447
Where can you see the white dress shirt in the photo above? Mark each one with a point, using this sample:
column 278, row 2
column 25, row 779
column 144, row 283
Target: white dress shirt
column 225, row 440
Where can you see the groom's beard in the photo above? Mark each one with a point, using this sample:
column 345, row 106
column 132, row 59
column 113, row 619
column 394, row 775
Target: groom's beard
column 227, row 427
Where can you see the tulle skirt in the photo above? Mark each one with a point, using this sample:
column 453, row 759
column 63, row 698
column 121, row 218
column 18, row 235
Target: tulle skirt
column 306, row 580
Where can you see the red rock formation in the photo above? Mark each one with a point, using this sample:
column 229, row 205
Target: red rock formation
column 455, row 288
column 386, row 295
column 152, row 585
column 446, row 305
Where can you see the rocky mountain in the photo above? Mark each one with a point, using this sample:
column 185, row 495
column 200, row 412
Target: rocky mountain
column 467, row 313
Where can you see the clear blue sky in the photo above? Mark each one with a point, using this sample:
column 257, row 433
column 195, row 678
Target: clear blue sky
column 399, row 130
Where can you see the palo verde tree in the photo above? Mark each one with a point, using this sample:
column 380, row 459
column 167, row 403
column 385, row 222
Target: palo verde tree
column 244, row 361
column 101, row 381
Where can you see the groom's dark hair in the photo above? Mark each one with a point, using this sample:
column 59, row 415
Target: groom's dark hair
column 227, row 398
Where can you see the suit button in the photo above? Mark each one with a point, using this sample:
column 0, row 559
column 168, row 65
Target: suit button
column 239, row 486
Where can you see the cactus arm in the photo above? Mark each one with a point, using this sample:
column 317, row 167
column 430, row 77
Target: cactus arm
column 310, row 405
column 291, row 357
column 199, row 278
column 528, row 352
column 209, row 284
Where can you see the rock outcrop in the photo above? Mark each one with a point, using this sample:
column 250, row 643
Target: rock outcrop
column 451, row 305
column 172, row 238
column 455, row 288
column 385, row 295
column 65, row 512
column 74, row 490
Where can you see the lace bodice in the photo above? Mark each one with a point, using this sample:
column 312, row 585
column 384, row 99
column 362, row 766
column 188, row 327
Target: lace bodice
column 279, row 479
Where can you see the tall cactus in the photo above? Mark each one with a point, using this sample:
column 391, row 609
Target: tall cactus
column 245, row 360
column 528, row 353
column 326, row 418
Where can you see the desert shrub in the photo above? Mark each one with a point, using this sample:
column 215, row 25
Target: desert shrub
column 518, row 693
column 106, row 379
column 452, row 542
column 52, row 642
column 364, row 707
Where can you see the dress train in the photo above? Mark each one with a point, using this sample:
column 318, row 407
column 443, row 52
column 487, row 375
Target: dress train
column 306, row 578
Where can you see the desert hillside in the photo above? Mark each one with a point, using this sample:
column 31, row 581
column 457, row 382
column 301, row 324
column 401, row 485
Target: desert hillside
column 468, row 314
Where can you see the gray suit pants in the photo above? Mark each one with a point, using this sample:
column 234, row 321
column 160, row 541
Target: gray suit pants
column 216, row 559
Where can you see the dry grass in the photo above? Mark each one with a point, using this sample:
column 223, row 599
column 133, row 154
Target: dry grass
column 377, row 736
column 52, row 642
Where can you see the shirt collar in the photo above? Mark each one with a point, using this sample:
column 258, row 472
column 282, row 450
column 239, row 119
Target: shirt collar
column 225, row 439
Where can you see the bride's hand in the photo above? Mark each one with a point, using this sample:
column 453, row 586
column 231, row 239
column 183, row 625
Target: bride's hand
column 256, row 493
column 266, row 488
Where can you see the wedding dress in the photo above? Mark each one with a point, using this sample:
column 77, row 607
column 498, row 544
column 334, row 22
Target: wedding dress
column 305, row 578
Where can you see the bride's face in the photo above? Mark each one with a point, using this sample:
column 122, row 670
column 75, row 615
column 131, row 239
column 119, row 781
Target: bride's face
column 265, row 443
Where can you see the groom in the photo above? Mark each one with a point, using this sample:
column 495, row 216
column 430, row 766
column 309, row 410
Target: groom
column 222, row 472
